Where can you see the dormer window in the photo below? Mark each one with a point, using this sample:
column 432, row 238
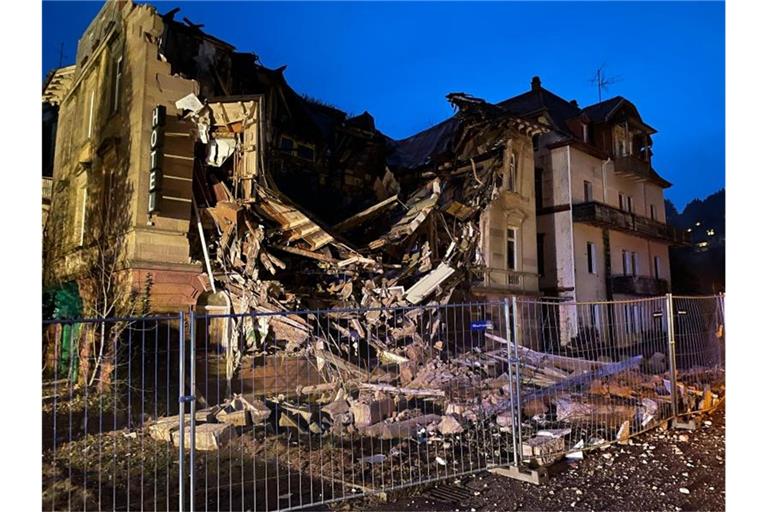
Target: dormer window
column 584, row 132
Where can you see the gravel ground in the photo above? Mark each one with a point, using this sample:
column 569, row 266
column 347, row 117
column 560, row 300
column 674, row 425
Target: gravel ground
column 660, row 471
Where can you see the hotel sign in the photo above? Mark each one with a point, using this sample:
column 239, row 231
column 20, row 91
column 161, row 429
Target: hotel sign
column 155, row 156
column 171, row 164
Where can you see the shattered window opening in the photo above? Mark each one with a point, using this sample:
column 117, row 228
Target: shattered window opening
column 306, row 152
column 286, row 144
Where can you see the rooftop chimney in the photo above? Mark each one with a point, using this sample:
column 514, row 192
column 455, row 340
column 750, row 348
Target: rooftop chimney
column 574, row 103
column 535, row 83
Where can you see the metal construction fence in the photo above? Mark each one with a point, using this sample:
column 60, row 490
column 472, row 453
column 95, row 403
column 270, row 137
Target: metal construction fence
column 275, row 411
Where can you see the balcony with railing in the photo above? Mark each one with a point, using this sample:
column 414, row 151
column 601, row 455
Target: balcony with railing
column 632, row 166
column 502, row 279
column 639, row 285
column 602, row 215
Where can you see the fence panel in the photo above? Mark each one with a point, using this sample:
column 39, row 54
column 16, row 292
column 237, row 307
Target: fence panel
column 358, row 402
column 107, row 382
column 592, row 372
column 294, row 409
column 700, row 351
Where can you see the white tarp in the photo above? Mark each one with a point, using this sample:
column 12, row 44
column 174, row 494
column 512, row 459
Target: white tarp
column 219, row 150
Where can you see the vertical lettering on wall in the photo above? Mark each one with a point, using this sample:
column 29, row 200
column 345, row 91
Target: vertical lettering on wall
column 155, row 156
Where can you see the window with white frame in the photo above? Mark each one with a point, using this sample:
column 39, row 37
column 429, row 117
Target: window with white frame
column 653, row 212
column 635, row 263
column 657, row 267
column 594, row 315
column 81, row 205
column 91, row 98
column 587, row 191
column 591, row 258
column 631, row 318
column 118, row 77
column 511, row 248
column 626, row 262
column 625, row 202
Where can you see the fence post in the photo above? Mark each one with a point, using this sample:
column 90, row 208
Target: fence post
column 192, row 411
column 672, row 352
column 512, row 406
column 517, row 379
column 181, row 411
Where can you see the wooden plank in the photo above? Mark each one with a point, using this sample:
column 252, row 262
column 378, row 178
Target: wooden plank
column 360, row 217
column 428, row 283
column 305, row 253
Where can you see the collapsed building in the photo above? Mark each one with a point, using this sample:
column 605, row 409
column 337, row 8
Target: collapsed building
column 325, row 253
column 228, row 187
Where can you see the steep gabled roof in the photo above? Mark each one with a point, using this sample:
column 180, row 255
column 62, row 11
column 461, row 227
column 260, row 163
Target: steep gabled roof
column 541, row 100
column 603, row 112
column 417, row 149
column 600, row 112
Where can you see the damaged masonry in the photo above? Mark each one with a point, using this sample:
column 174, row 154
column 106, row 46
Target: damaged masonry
column 365, row 309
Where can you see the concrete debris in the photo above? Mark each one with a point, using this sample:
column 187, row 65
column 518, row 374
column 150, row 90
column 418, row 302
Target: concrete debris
column 208, row 436
column 450, row 425
column 374, row 459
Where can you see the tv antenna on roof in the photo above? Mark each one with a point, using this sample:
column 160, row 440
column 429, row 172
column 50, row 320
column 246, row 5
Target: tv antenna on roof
column 602, row 81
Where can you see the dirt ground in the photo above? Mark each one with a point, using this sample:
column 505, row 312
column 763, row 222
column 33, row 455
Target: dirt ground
column 660, row 471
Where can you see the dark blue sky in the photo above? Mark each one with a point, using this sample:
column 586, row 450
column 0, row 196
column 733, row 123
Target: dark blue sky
column 399, row 60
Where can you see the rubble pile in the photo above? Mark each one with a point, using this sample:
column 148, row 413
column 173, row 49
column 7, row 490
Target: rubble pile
column 268, row 255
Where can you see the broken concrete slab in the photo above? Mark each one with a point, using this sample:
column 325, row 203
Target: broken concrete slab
column 399, row 429
column 544, row 450
column 208, row 436
column 163, row 428
column 450, row 425
column 370, row 412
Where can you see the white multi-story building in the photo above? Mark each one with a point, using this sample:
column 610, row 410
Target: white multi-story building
column 601, row 230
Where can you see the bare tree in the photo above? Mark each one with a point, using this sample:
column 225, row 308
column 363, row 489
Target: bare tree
column 110, row 292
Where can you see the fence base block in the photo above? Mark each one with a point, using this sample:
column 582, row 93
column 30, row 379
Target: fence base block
column 692, row 424
column 535, row 476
